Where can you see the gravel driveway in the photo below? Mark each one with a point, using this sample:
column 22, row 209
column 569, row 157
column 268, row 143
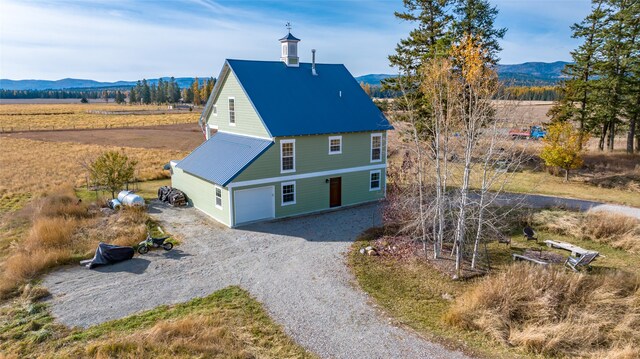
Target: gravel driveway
column 295, row 267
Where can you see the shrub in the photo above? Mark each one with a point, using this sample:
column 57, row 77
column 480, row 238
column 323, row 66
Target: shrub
column 554, row 312
column 616, row 230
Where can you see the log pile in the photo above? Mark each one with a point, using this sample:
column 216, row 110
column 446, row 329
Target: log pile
column 172, row 196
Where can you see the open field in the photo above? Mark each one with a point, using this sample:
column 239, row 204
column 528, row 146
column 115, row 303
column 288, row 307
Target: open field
column 180, row 137
column 38, row 167
column 612, row 177
column 226, row 324
column 523, row 113
column 28, row 117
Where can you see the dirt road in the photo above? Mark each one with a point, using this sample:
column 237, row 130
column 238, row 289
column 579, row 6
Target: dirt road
column 181, row 137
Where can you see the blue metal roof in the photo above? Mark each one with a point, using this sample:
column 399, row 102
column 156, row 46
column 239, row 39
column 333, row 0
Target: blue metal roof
column 223, row 156
column 292, row 101
column 290, row 37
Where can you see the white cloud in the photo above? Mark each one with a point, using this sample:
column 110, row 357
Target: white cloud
column 123, row 40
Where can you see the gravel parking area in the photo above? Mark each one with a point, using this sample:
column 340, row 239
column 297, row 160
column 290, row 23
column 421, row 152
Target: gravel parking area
column 295, row 267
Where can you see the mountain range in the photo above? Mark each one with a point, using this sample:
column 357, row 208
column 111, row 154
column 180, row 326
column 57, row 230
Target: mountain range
column 69, row 83
column 525, row 74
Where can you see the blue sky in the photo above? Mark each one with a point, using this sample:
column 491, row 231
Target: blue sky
column 109, row 40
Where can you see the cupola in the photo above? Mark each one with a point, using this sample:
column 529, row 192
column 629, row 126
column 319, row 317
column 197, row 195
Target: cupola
column 289, row 49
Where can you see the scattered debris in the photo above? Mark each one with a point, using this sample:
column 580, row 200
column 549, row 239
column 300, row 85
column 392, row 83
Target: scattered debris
column 172, row 196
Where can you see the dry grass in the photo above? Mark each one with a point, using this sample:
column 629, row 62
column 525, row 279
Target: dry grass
column 40, row 167
column 555, row 312
column 188, row 335
column 616, row 230
column 226, row 324
column 62, row 231
column 24, row 117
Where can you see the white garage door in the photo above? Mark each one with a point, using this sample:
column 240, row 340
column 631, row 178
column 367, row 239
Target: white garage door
column 254, row 204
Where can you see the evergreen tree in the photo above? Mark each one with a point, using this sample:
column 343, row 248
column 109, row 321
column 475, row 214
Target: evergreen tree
column 146, row 92
column 174, row 90
column 430, row 39
column 580, row 85
column 132, row 96
column 160, row 92
column 476, row 18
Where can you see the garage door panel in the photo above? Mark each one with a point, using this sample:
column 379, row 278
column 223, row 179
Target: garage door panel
column 254, row 204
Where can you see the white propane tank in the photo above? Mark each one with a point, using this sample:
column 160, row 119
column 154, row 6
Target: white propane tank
column 122, row 195
column 132, row 199
column 114, row 204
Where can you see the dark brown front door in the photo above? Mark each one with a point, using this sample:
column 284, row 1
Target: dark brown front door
column 335, row 192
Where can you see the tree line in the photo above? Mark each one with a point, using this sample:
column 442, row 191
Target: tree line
column 170, row 92
column 56, row 94
column 144, row 92
column 602, row 91
column 530, row 93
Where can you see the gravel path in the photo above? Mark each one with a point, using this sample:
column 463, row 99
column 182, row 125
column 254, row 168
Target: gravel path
column 295, row 267
column 541, row 201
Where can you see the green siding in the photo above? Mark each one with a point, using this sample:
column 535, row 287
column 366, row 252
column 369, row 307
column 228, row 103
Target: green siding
column 247, row 120
column 312, row 155
column 312, row 194
column 201, row 194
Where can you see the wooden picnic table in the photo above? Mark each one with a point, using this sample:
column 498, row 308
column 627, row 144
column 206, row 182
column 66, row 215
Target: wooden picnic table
column 575, row 250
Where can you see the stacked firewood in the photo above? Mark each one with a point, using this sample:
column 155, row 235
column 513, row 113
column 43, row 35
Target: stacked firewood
column 172, row 196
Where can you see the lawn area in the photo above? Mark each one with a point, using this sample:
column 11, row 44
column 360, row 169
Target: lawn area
column 147, row 190
column 226, row 324
column 418, row 295
column 534, row 182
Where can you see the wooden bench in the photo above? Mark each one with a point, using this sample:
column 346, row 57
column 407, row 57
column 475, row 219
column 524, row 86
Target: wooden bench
column 575, row 250
column 519, row 257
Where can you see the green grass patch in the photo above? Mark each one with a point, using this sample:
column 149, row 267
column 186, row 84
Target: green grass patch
column 534, row 182
column 414, row 294
column 418, row 295
column 147, row 190
column 226, row 324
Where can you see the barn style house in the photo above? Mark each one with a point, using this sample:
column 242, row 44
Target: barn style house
column 284, row 138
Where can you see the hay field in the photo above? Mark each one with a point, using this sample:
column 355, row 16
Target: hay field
column 31, row 168
column 28, row 117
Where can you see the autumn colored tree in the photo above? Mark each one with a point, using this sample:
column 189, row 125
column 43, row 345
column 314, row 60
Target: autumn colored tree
column 563, row 145
column 195, row 89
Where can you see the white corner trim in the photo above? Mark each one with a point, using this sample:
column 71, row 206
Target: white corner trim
column 335, row 138
column 295, row 189
column 245, row 135
column 305, row 175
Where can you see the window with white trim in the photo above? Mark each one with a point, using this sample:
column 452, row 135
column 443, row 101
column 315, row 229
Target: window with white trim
column 374, row 180
column 218, row 198
column 232, row 111
column 335, row 145
column 215, row 110
column 376, row 147
column 287, row 156
column 288, row 190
